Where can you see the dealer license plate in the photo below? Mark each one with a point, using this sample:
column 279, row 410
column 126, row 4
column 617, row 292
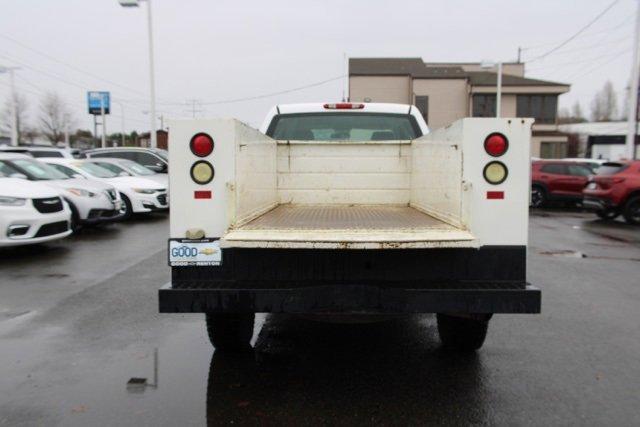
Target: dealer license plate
column 183, row 252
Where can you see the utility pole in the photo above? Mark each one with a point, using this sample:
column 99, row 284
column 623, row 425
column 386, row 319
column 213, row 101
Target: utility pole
column 633, row 92
column 193, row 110
column 519, row 53
column 104, row 124
column 14, row 104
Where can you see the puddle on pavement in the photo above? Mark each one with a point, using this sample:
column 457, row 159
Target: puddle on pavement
column 579, row 255
column 564, row 253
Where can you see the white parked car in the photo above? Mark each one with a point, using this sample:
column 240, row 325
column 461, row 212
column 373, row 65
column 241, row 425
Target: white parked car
column 38, row 152
column 155, row 159
column 124, row 167
column 31, row 213
column 90, row 201
column 139, row 195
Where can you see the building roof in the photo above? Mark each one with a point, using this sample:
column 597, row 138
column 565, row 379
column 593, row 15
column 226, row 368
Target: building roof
column 485, row 78
column 596, row 128
column 414, row 67
column 417, row 68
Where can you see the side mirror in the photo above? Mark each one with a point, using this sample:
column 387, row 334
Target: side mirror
column 158, row 167
column 78, row 176
column 123, row 173
column 18, row 175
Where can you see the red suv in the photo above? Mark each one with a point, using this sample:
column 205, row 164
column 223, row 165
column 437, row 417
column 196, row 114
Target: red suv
column 615, row 190
column 557, row 180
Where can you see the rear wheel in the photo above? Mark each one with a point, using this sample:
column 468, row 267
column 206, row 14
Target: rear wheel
column 632, row 210
column 462, row 333
column 538, row 196
column 230, row 332
column 608, row 214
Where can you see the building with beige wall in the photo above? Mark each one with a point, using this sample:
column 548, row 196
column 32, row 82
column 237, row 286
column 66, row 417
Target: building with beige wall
column 445, row 92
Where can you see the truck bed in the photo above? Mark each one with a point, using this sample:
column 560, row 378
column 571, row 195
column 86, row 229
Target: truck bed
column 357, row 227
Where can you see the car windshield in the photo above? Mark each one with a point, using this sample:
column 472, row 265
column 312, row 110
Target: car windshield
column 137, row 168
column 7, row 170
column 117, row 169
column 611, row 168
column 162, row 153
column 38, row 171
column 344, row 127
column 95, row 170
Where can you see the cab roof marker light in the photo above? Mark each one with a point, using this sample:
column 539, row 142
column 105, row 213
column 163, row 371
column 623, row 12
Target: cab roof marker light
column 344, row 106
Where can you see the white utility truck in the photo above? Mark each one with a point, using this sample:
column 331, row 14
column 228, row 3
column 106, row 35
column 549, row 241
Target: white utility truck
column 349, row 209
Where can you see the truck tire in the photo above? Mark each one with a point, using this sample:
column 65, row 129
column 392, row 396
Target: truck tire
column 632, row 210
column 230, row 332
column 461, row 333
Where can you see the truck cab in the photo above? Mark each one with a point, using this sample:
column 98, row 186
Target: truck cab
column 349, row 208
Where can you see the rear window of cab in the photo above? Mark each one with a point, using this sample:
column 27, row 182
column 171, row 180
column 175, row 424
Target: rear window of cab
column 344, row 127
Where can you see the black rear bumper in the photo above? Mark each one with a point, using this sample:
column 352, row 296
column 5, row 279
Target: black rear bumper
column 491, row 279
column 350, row 299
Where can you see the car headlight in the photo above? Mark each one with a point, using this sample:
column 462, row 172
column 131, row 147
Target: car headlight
column 81, row 192
column 145, row 190
column 12, row 201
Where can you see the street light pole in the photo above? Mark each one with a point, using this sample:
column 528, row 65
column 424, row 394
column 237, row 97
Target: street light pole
column 499, row 90
column 493, row 65
column 632, row 109
column 152, row 83
column 14, row 104
column 152, row 89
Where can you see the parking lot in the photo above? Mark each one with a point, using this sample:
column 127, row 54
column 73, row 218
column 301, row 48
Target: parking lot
column 79, row 320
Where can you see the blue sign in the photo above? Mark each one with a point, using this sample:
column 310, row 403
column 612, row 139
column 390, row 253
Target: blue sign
column 97, row 101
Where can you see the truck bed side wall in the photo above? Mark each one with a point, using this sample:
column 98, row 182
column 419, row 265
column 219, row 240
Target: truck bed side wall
column 256, row 180
column 436, row 178
column 244, row 185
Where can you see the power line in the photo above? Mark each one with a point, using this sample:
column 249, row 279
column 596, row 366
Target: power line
column 266, row 95
column 582, row 61
column 623, row 24
column 596, row 67
column 39, row 92
column 73, row 67
column 580, row 31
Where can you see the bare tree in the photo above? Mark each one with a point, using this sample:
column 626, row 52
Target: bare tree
column 604, row 106
column 576, row 113
column 571, row 116
column 6, row 119
column 54, row 117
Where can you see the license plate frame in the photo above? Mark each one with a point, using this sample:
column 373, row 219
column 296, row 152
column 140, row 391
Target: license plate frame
column 189, row 253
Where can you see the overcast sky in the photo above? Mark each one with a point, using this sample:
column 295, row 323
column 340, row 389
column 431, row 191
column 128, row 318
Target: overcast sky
column 213, row 50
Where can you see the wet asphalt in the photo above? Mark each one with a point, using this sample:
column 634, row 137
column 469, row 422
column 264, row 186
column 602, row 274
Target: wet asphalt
column 81, row 343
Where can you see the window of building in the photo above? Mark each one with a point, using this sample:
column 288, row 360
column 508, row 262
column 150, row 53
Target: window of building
column 422, row 102
column 543, row 108
column 484, row 105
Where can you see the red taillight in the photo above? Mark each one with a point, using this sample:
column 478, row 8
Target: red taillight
column 496, row 144
column 201, row 144
column 344, row 106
